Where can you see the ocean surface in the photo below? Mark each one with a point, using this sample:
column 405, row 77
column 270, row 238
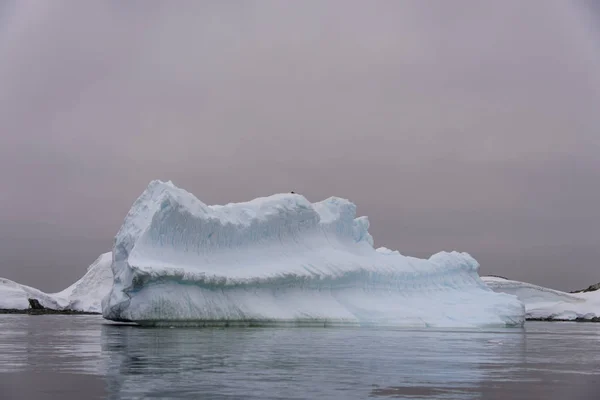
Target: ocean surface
column 85, row 357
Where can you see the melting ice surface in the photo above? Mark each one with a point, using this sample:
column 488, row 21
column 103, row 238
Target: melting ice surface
column 282, row 259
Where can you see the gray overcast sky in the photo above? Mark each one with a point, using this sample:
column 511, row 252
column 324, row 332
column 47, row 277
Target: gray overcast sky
column 462, row 125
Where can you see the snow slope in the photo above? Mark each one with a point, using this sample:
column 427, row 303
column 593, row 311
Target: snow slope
column 544, row 303
column 15, row 296
column 282, row 259
column 84, row 295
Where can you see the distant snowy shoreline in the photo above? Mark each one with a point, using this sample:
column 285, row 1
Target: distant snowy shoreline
column 82, row 297
column 45, row 311
column 544, row 304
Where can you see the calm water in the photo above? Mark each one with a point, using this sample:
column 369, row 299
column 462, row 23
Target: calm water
column 84, row 357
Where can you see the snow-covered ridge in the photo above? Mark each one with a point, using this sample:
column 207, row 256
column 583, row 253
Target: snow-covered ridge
column 282, row 258
column 84, row 295
column 14, row 296
column 545, row 303
column 87, row 293
column 591, row 288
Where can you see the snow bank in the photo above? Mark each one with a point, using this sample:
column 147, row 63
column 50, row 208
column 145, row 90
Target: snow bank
column 282, row 259
column 84, row 295
column 544, row 303
column 14, row 296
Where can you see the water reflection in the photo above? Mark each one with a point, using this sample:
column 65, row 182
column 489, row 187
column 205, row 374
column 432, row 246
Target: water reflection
column 302, row 362
column 543, row 360
column 50, row 343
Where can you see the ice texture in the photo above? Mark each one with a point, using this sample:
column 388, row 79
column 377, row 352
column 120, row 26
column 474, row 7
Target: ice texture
column 545, row 303
column 282, row 259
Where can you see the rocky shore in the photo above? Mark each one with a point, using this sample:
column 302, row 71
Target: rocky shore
column 35, row 308
column 45, row 312
column 550, row 319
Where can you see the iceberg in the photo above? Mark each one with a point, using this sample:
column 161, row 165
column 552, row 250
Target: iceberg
column 85, row 295
column 549, row 304
column 283, row 260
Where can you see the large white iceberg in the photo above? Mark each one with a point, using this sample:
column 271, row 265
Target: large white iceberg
column 282, row 259
column 545, row 303
column 85, row 295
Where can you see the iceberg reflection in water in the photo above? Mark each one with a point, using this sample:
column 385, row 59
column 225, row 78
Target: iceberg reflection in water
column 541, row 360
column 349, row 363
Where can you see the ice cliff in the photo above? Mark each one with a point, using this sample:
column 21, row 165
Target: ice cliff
column 282, row 259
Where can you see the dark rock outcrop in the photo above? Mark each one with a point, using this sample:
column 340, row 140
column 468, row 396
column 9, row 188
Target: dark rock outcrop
column 591, row 288
column 34, row 304
column 551, row 319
